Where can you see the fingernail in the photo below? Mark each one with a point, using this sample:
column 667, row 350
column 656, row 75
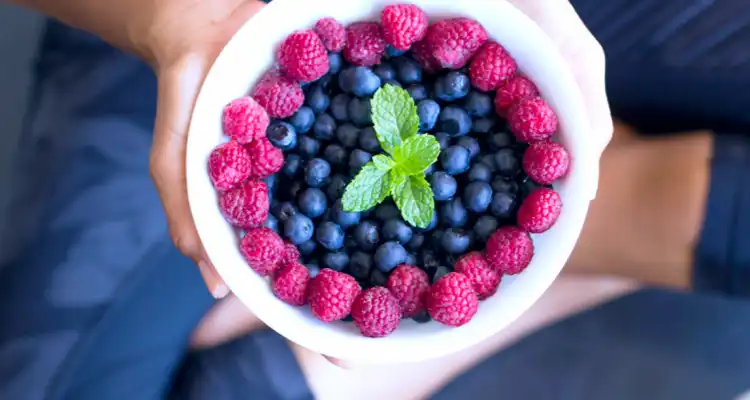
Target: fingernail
column 220, row 291
column 216, row 286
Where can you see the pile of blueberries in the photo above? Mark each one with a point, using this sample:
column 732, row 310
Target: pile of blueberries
column 477, row 181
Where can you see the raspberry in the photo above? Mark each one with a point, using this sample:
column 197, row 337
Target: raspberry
column 244, row 120
column 484, row 279
column 331, row 295
column 403, row 25
column 228, row 165
column 491, row 67
column 532, row 120
column 509, row 250
column 265, row 159
column 279, row 95
column 515, row 90
column 290, row 254
column 303, row 57
column 546, row 162
column 452, row 300
column 540, row 210
column 364, row 43
column 332, row 33
column 245, row 206
column 290, row 283
column 454, row 41
column 261, row 248
column 409, row 285
column 422, row 53
column 376, row 312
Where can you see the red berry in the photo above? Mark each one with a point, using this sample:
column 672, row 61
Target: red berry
column 423, row 54
column 228, row 165
column 244, row 120
column 515, row 90
column 303, row 57
column 376, row 312
column 509, row 250
column 290, row 283
column 261, row 248
column 279, row 95
column 290, row 254
column 454, row 41
column 484, row 278
column 452, row 300
column 364, row 43
column 491, row 67
column 546, row 162
column 265, row 159
column 409, row 284
column 532, row 120
column 540, row 210
column 403, row 25
column 331, row 295
column 245, row 206
column 332, row 33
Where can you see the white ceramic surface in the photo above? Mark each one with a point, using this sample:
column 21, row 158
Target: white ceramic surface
column 250, row 54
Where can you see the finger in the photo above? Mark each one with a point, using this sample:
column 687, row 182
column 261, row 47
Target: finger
column 339, row 363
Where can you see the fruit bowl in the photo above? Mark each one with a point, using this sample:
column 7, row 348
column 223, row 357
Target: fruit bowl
column 251, row 53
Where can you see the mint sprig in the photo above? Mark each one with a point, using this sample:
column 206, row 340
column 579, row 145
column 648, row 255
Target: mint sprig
column 399, row 174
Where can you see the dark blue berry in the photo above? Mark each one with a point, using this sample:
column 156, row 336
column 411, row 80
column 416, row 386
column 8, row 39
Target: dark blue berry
column 428, row 112
column 325, row 127
column 292, row 165
column 389, row 255
column 433, row 223
column 337, row 261
column 480, row 173
column 478, row 104
column 317, row 172
column 272, row 223
column 411, row 259
column 282, row 135
column 387, row 211
column 298, row 229
column 303, row 120
column 330, row 236
column 312, row 202
column 359, row 111
column 443, row 186
column 393, row 52
column 345, row 219
column 316, row 98
column 453, row 213
column 336, row 155
column 422, row 318
column 378, row 277
column 417, row 92
column 348, row 135
column 440, row 272
column 360, row 265
column 295, row 188
column 452, row 86
column 335, row 62
column 367, row 235
column 455, row 241
column 471, row 144
column 503, row 205
column 430, row 170
column 307, row 248
column 397, row 230
column 314, row 269
column 483, row 125
column 415, row 243
column 284, row 210
column 478, row 196
column 455, row 160
column 336, row 187
column 507, row 162
column 485, row 226
column 340, row 107
column 408, row 71
column 392, row 82
column 385, row 71
column 368, row 140
column 488, row 160
column 500, row 184
column 528, row 186
column 444, row 140
column 307, row 147
column 271, row 183
column 357, row 159
column 500, row 140
column 359, row 81
column 428, row 259
column 454, row 121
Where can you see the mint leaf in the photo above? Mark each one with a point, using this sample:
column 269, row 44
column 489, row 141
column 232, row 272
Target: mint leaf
column 370, row 187
column 417, row 153
column 398, row 177
column 383, row 162
column 415, row 200
column 394, row 115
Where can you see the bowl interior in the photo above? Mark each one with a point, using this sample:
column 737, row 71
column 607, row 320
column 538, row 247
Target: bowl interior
column 251, row 53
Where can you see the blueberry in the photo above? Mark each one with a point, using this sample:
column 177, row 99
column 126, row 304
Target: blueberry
column 433, row 223
column 444, row 140
column 477, row 196
column 500, row 140
column 359, row 81
column 385, row 71
column 307, row 146
column 503, row 205
column 440, row 272
column 408, row 71
column 357, row 159
column 317, row 172
column 428, row 112
column 500, row 184
column 393, row 52
column 295, row 188
column 348, row 135
column 454, row 121
column 483, row 125
column 282, row 135
column 335, row 62
column 417, row 92
column 307, row 248
column 455, row 241
column 411, row 259
column 312, row 202
column 415, row 243
column 392, row 82
column 367, row 235
column 316, row 98
column 480, row 173
column 488, row 160
column 271, row 183
column 528, row 186
column 345, row 219
column 337, row 261
column 471, row 144
column 314, row 270
column 325, row 127
column 335, row 154
column 330, row 236
column 455, row 160
column 360, row 265
column 292, row 165
column 284, row 211
column 272, row 223
column 443, row 186
column 453, row 213
column 452, row 86
column 359, row 111
column 368, row 140
column 340, row 107
column 507, row 162
column 378, row 277
column 485, row 226
column 298, row 229
column 303, row 120
column 478, row 104
column 386, row 212
column 430, row 170
column 422, row 318
column 428, row 259
column 389, row 255
column 397, row 230
column 336, row 187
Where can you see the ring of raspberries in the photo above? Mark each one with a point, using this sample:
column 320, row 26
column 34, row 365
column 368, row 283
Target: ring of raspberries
column 306, row 131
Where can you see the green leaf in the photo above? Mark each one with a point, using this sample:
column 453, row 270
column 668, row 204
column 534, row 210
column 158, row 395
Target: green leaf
column 415, row 200
column 398, row 177
column 370, row 187
column 394, row 115
column 417, row 153
column 383, row 162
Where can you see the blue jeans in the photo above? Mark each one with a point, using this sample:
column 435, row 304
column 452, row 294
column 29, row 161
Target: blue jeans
column 97, row 303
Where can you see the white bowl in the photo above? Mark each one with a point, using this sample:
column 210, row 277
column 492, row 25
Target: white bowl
column 251, row 53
